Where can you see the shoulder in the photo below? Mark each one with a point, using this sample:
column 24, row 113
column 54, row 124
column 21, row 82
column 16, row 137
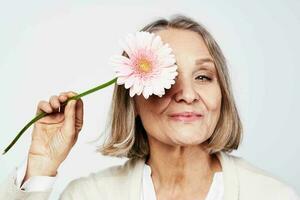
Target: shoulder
column 254, row 179
column 103, row 181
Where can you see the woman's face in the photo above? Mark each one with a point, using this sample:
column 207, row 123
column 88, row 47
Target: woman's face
column 188, row 113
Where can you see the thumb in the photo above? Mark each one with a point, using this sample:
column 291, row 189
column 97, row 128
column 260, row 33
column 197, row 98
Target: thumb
column 69, row 124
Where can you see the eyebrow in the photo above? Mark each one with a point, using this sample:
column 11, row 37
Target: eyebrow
column 203, row 60
column 211, row 68
column 200, row 61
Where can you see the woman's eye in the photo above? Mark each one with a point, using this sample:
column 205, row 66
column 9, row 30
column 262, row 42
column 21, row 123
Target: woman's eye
column 203, row 78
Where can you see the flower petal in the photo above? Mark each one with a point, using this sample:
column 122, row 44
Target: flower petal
column 138, row 88
column 121, row 80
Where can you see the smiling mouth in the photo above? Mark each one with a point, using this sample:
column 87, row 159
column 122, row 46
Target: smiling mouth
column 186, row 117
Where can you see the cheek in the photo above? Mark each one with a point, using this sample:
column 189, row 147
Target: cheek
column 153, row 106
column 150, row 110
column 212, row 98
column 153, row 124
column 151, row 113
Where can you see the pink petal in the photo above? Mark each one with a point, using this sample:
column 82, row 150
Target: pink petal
column 147, row 92
column 121, row 80
column 129, row 82
column 131, row 92
column 162, row 52
column 123, row 71
column 167, row 62
column 138, row 87
column 157, row 43
column 130, row 41
column 119, row 59
column 126, row 48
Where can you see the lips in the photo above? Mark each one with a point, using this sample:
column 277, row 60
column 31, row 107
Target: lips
column 186, row 116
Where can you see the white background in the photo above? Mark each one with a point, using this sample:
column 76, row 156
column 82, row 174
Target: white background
column 54, row 46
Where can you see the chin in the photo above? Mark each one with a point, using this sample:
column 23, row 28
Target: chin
column 188, row 140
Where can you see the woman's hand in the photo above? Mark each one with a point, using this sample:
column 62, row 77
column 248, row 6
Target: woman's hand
column 54, row 135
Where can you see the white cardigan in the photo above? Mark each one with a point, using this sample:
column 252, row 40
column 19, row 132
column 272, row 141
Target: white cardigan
column 43, row 183
column 242, row 181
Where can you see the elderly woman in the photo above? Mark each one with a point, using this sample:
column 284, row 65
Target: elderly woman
column 178, row 145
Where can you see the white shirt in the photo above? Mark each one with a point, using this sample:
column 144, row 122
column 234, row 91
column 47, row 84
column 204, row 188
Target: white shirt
column 42, row 183
column 35, row 183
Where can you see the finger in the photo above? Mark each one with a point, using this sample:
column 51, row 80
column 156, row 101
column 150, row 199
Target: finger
column 68, row 95
column 79, row 114
column 69, row 125
column 78, row 106
column 44, row 106
column 63, row 96
column 54, row 102
column 71, row 94
column 65, row 93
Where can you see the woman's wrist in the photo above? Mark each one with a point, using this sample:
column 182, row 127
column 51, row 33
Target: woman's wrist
column 41, row 167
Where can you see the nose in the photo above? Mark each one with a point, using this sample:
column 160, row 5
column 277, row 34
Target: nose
column 184, row 90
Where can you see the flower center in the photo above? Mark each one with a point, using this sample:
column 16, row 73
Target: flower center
column 144, row 65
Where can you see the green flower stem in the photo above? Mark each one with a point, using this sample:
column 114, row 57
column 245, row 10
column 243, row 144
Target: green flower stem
column 43, row 114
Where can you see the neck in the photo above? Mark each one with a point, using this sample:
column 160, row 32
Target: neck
column 175, row 167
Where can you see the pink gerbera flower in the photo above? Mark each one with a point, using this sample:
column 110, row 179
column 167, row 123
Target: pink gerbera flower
column 150, row 68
